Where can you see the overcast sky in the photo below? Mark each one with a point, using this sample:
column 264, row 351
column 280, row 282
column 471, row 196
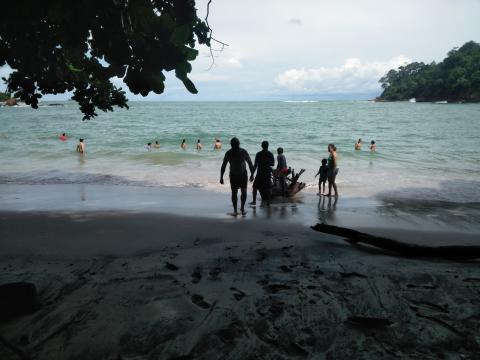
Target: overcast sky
column 319, row 49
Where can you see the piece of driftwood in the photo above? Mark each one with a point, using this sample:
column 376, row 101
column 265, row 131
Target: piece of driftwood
column 292, row 185
column 458, row 252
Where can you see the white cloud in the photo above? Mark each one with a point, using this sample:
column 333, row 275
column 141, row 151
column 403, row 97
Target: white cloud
column 354, row 76
column 295, row 21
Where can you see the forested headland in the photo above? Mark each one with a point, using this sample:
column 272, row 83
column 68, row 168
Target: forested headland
column 455, row 79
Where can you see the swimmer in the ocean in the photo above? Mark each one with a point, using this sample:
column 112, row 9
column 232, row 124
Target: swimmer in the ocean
column 217, row 145
column 149, row 146
column 373, row 146
column 183, row 145
column 156, row 145
column 63, row 137
column 358, row 144
column 199, row 145
column 81, row 147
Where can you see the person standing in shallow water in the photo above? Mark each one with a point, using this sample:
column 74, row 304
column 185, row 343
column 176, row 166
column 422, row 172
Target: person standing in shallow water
column 81, row 147
column 199, row 145
column 332, row 170
column 373, row 146
column 237, row 158
column 217, row 145
column 264, row 161
column 183, row 145
column 358, row 144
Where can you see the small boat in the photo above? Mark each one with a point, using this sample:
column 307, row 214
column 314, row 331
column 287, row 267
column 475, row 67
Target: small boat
column 412, row 100
column 441, row 102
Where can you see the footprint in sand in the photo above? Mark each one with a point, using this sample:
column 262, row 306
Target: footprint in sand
column 261, row 255
column 171, row 266
column 215, row 272
column 238, row 294
column 198, row 300
column 196, row 277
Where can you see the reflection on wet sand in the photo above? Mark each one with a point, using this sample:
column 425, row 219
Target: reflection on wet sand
column 326, row 213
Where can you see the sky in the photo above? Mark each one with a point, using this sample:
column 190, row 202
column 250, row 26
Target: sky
column 317, row 49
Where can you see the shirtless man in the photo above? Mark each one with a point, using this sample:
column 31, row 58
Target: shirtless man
column 184, row 144
column 237, row 157
column 217, row 145
column 358, row 144
column 373, row 146
column 81, row 147
column 156, row 145
column 199, row 145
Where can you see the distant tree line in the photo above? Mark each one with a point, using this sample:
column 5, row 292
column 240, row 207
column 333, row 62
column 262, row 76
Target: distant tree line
column 455, row 79
column 4, row 96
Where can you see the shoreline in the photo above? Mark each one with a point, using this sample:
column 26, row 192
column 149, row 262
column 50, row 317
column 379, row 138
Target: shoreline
column 306, row 209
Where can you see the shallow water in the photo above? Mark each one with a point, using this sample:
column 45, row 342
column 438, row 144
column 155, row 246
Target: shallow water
column 425, row 151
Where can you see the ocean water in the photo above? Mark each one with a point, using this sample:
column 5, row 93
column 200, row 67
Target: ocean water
column 424, row 151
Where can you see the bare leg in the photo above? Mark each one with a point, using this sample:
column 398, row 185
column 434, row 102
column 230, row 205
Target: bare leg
column 335, row 188
column 254, row 196
column 324, row 187
column 234, row 200
column 329, row 188
column 243, row 198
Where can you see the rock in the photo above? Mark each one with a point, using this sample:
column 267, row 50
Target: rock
column 11, row 102
column 17, row 299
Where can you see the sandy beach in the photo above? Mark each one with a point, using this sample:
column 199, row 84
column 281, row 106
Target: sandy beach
column 133, row 284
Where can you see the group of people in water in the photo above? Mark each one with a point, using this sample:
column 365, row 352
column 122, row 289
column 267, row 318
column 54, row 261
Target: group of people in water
column 359, row 143
column 261, row 170
column 217, row 145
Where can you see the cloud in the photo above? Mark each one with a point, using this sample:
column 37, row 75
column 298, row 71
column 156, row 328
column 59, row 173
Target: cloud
column 295, row 21
column 353, row 76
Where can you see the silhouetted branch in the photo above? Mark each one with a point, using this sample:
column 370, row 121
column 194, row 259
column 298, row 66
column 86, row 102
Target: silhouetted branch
column 457, row 252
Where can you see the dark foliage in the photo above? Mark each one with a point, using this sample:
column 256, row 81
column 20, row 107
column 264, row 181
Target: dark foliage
column 55, row 46
column 456, row 78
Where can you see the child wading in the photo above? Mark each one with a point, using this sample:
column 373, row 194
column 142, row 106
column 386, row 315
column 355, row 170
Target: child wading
column 322, row 171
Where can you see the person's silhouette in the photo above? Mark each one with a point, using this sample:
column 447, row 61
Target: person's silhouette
column 264, row 161
column 237, row 157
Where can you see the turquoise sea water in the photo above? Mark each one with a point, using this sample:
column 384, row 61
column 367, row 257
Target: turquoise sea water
column 424, row 151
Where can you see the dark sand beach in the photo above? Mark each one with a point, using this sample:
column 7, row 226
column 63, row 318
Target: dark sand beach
column 129, row 283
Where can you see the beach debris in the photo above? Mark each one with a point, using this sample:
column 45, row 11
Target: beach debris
column 293, row 186
column 17, row 299
column 171, row 266
column 451, row 252
column 369, row 322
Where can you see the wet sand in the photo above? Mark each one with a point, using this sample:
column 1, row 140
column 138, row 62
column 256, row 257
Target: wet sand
column 131, row 284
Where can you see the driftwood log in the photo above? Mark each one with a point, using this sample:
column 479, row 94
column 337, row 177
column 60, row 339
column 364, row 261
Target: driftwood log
column 292, row 184
column 455, row 252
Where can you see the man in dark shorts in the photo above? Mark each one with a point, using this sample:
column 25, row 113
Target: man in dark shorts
column 237, row 157
column 264, row 161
